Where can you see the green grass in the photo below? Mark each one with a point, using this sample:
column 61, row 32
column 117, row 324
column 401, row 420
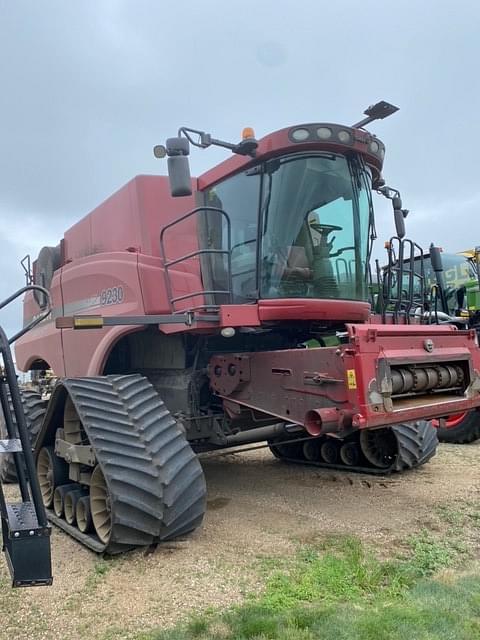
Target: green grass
column 338, row 590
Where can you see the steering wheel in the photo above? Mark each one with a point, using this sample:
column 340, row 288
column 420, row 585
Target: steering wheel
column 327, row 228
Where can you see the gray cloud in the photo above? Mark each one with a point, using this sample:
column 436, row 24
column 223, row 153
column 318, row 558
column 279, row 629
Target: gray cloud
column 89, row 87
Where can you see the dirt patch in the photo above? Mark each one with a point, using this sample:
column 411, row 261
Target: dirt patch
column 257, row 506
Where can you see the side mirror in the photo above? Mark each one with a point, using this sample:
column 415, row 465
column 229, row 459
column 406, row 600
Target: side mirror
column 399, row 222
column 397, row 202
column 177, row 150
column 436, row 258
column 179, row 176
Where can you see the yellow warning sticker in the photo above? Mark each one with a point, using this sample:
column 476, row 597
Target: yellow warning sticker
column 351, row 379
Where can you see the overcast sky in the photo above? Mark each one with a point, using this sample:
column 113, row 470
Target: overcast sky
column 87, row 88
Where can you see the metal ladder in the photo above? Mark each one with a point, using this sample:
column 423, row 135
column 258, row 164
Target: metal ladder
column 25, row 529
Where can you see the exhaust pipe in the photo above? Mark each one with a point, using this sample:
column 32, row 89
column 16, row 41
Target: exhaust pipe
column 327, row 420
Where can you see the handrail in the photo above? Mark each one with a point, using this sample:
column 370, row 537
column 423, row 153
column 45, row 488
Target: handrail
column 37, row 319
column 9, row 378
column 199, row 252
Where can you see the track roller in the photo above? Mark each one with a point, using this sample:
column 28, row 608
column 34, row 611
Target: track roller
column 84, row 515
column 350, row 454
column 330, row 451
column 311, row 450
column 70, row 504
column 59, row 498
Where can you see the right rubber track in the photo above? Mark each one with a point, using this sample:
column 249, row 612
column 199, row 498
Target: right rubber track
column 34, row 408
column 156, row 484
column 416, row 444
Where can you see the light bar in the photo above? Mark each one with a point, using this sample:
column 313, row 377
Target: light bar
column 335, row 134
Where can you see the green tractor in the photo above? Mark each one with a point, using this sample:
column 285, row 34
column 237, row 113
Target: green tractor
column 452, row 283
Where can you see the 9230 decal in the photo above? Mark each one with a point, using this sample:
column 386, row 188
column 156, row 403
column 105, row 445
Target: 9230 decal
column 112, row 295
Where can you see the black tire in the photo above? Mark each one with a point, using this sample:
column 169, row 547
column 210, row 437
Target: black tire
column 464, row 432
column 417, row 443
column 48, row 261
column 34, row 408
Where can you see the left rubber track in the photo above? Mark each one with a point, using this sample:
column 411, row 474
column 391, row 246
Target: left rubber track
column 155, row 482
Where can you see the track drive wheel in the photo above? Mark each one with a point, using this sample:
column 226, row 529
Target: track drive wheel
column 401, row 446
column 461, row 428
column 34, row 408
column 100, row 505
column 51, row 472
column 379, row 446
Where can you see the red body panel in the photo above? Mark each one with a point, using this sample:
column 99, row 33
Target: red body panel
column 342, row 385
column 116, row 245
column 304, row 309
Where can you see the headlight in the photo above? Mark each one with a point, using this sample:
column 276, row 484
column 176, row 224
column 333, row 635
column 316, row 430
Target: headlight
column 324, row 133
column 299, row 135
column 344, row 136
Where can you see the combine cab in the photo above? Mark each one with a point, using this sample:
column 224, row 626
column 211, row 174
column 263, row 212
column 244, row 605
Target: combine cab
column 194, row 314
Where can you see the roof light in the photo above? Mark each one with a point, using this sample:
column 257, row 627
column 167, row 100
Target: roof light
column 248, row 132
column 324, row 133
column 344, row 136
column 299, row 135
column 374, row 146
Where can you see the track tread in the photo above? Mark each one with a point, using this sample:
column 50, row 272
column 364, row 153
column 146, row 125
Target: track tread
column 34, row 408
column 155, row 480
column 417, row 444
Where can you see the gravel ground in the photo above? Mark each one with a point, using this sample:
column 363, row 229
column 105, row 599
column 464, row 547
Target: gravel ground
column 257, row 507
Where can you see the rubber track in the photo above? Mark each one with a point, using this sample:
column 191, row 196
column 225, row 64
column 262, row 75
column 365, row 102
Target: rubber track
column 417, row 444
column 156, row 484
column 34, row 408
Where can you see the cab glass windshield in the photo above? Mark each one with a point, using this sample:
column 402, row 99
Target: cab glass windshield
column 315, row 223
column 299, row 229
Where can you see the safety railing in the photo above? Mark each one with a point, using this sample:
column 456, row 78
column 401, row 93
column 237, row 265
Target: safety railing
column 402, row 291
column 41, row 316
column 203, row 292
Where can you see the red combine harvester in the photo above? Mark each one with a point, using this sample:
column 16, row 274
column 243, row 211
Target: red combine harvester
column 228, row 309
